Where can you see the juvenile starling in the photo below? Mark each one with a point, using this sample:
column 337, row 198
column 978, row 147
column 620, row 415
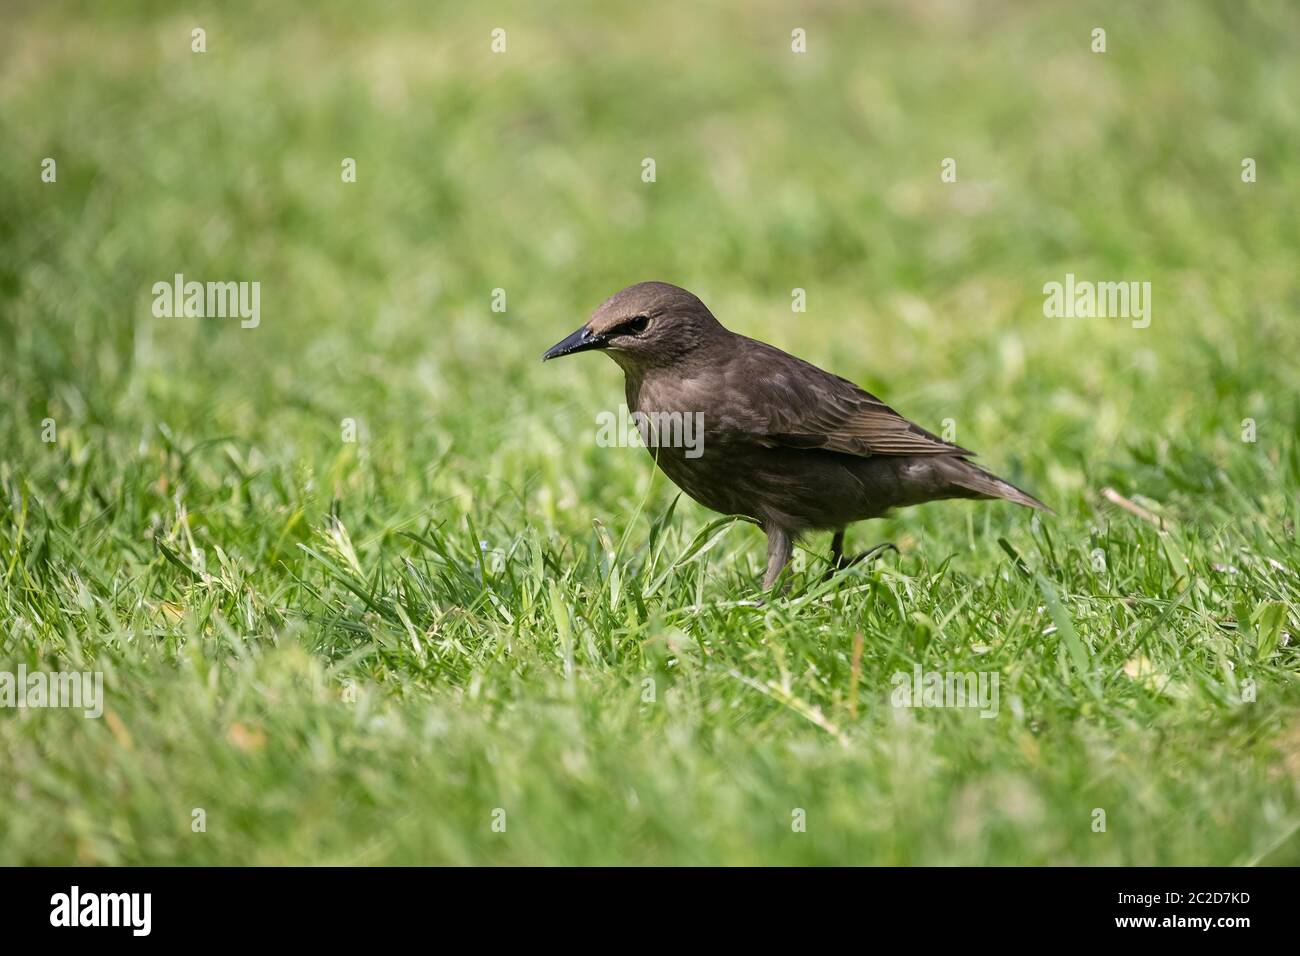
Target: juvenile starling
column 783, row 442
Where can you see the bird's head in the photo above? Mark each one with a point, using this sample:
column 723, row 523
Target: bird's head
column 648, row 324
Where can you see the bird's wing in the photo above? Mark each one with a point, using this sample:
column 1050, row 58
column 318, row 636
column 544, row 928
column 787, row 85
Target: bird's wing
column 793, row 404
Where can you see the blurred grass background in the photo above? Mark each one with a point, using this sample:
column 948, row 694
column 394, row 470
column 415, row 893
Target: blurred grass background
column 520, row 686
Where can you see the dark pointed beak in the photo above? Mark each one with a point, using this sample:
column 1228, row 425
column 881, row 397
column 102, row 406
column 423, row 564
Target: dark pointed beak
column 580, row 341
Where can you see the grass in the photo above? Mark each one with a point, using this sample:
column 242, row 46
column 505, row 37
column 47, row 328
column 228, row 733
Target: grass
column 370, row 652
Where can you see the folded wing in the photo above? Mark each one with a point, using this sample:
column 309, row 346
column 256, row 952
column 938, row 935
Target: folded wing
column 802, row 406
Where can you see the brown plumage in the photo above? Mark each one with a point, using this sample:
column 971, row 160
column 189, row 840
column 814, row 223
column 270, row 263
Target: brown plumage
column 785, row 443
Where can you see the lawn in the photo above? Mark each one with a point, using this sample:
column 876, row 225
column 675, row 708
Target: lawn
column 364, row 587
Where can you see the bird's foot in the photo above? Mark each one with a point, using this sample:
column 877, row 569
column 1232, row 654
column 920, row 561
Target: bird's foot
column 839, row 562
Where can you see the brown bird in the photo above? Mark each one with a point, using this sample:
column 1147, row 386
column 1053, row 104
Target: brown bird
column 783, row 442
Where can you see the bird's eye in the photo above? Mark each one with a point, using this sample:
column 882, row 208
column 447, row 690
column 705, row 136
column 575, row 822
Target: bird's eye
column 635, row 326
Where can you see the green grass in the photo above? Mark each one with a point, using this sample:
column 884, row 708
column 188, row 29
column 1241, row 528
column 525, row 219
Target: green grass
column 350, row 676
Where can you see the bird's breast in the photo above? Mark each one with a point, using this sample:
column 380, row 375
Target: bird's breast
column 680, row 434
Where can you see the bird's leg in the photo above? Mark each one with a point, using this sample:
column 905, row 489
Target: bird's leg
column 779, row 548
column 839, row 562
column 837, row 549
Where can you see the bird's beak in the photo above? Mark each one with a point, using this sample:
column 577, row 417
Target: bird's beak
column 580, row 341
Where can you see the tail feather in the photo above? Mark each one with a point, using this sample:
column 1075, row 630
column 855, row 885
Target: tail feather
column 971, row 477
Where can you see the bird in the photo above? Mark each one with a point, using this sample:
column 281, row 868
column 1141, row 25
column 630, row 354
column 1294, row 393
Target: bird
column 782, row 442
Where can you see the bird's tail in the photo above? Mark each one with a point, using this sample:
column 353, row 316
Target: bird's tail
column 984, row 484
